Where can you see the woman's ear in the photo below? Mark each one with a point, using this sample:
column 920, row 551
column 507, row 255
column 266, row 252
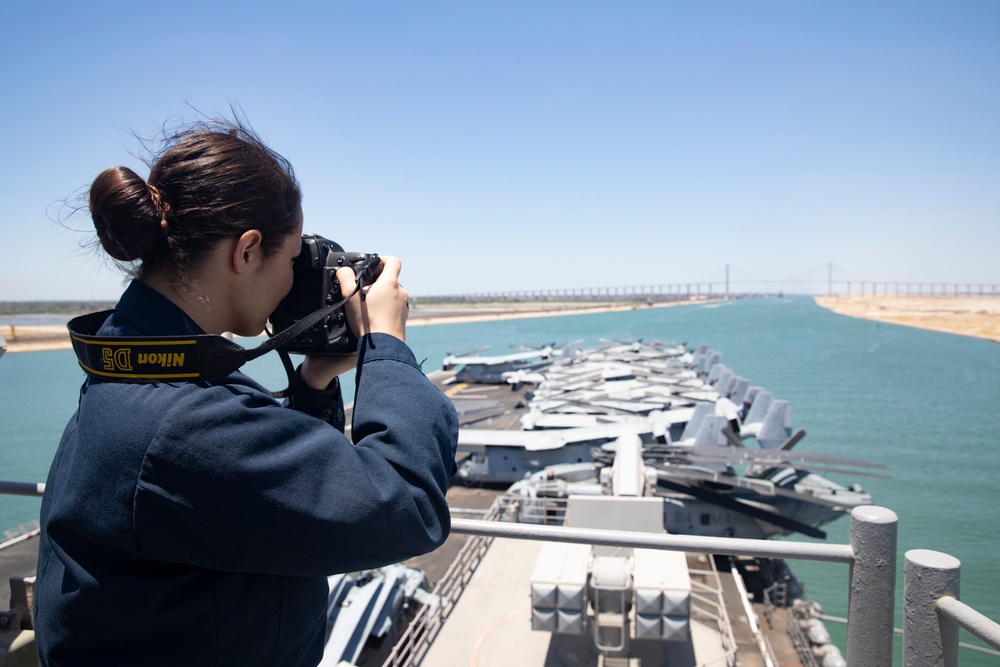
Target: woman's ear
column 248, row 253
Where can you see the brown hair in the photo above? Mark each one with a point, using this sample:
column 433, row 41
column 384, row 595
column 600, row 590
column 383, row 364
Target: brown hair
column 212, row 181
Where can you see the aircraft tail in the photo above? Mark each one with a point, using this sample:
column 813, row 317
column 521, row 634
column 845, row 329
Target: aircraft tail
column 701, row 411
column 759, row 407
column 777, row 425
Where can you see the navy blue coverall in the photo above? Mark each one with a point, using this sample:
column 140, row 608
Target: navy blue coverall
column 195, row 523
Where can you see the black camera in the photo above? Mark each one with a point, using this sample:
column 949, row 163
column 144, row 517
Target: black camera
column 316, row 287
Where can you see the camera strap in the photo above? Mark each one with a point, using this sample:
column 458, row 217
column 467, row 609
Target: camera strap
column 147, row 359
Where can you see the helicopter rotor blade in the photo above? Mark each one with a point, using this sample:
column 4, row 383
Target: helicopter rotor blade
column 762, row 486
column 732, row 438
column 793, row 440
column 805, row 497
column 845, row 471
column 686, row 475
column 743, row 508
column 761, row 457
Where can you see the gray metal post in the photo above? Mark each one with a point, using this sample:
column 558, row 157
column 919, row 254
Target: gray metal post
column 871, row 603
column 929, row 638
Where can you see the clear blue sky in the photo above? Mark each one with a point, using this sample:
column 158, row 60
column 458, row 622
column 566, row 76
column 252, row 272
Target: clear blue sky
column 515, row 145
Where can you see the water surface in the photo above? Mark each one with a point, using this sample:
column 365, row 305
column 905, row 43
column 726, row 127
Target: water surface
column 922, row 402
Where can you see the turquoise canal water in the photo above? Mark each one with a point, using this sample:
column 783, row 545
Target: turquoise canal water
column 927, row 404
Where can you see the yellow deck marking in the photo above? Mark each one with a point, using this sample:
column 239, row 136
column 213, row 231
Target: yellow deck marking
column 454, row 390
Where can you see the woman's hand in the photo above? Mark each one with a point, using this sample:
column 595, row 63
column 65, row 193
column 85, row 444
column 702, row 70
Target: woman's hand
column 318, row 371
column 384, row 310
column 386, row 303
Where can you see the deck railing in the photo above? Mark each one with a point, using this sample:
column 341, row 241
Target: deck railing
column 709, row 607
column 801, row 642
column 933, row 611
column 413, row 644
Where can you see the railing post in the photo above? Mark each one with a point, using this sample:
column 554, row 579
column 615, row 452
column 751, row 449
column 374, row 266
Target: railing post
column 929, row 638
column 871, row 605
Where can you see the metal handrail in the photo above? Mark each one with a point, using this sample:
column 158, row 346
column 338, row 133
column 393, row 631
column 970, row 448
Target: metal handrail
column 835, row 553
column 871, row 555
column 709, row 605
column 970, row 620
column 933, row 610
column 22, row 488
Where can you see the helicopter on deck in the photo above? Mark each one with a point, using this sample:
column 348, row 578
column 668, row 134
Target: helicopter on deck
column 717, row 449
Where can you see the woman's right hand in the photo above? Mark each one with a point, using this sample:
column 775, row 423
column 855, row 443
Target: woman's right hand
column 386, row 303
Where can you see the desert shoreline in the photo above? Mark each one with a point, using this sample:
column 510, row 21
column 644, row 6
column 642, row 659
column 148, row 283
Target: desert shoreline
column 974, row 316
column 45, row 338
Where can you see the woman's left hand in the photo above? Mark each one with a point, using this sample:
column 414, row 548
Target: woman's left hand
column 319, row 371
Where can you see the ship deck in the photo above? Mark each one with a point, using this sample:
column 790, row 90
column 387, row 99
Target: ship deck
column 491, row 622
column 18, row 559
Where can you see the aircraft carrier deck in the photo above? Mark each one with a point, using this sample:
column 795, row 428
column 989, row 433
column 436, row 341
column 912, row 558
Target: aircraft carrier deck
column 491, row 622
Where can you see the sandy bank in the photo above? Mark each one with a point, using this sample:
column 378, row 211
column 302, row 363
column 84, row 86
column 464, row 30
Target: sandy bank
column 976, row 316
column 487, row 312
column 35, row 338
column 55, row 337
column 966, row 316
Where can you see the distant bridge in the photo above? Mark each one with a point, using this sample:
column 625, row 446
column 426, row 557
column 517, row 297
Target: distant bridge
column 657, row 293
column 722, row 284
column 689, row 291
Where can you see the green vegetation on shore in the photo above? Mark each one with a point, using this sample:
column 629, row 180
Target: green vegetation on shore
column 52, row 307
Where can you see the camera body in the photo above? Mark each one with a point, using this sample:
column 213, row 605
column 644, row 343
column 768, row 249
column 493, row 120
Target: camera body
column 315, row 287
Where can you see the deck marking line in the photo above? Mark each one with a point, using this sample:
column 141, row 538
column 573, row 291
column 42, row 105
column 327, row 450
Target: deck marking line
column 474, row 658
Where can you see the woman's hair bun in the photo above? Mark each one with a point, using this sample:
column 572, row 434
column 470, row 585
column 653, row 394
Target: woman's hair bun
column 210, row 182
column 127, row 220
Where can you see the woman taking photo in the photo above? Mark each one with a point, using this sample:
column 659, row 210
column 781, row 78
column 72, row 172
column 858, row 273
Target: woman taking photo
column 195, row 523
